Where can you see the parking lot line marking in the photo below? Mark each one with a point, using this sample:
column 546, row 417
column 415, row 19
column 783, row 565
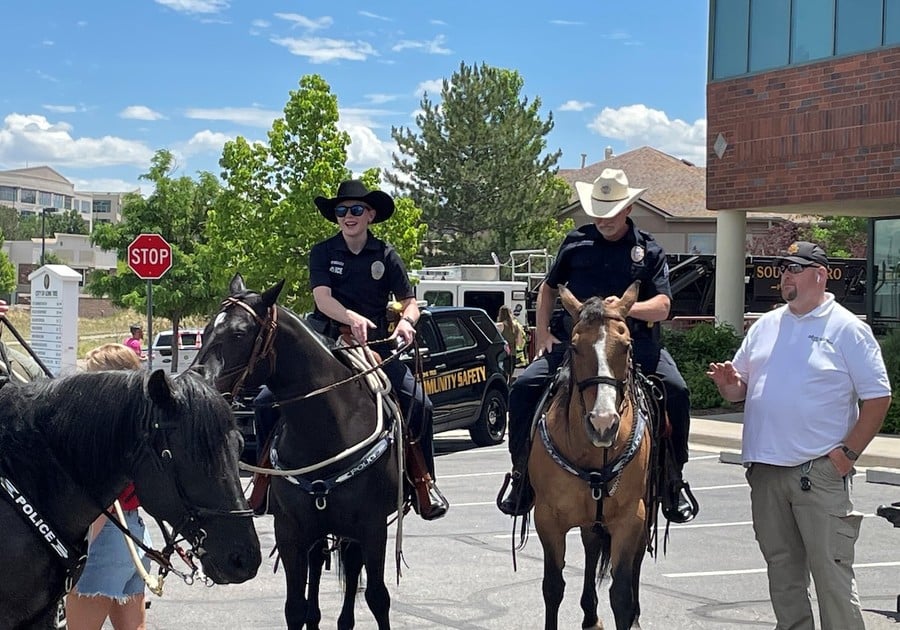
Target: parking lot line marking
column 709, row 525
column 724, row 487
column 702, row 457
column 862, row 565
column 481, row 474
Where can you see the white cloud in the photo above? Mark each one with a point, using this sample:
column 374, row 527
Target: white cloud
column 140, row 112
column 433, row 87
column 195, row 6
column 374, row 16
column 205, row 141
column 47, row 42
column 302, row 21
column 380, row 99
column 366, row 150
column 104, row 184
column 323, row 50
column 249, row 116
column 437, row 22
column 63, row 109
column 432, row 47
column 575, row 106
column 32, row 138
column 566, row 23
column 638, row 125
column 260, row 23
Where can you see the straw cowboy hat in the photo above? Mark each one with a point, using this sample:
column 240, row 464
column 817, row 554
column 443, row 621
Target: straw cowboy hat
column 355, row 190
column 608, row 195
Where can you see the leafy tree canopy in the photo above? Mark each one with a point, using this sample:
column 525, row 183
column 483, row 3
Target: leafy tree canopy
column 266, row 222
column 177, row 210
column 840, row 237
column 479, row 168
column 7, row 271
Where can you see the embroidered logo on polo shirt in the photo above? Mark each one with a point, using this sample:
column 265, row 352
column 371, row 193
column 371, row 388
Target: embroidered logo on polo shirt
column 377, row 270
column 337, row 267
column 817, row 339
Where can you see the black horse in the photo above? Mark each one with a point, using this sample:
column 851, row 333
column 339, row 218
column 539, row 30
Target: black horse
column 69, row 446
column 253, row 341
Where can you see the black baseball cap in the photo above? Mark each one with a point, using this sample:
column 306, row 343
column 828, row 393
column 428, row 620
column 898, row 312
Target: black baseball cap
column 804, row 253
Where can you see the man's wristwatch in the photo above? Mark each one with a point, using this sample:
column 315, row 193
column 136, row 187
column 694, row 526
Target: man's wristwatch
column 850, row 453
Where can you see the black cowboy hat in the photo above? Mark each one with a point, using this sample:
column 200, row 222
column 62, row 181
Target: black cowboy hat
column 355, row 190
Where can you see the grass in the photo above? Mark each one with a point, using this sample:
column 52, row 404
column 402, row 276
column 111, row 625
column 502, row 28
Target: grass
column 95, row 331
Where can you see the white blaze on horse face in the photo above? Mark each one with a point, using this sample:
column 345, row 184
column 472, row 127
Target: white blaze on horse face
column 219, row 319
column 604, row 417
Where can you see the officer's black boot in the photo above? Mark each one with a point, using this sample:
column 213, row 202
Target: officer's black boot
column 682, row 506
column 521, row 495
column 429, row 502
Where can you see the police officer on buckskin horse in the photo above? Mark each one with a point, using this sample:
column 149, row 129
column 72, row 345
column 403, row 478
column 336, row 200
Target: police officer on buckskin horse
column 352, row 275
column 602, row 259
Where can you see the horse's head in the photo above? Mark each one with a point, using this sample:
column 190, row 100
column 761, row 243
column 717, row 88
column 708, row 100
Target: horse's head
column 238, row 343
column 600, row 357
column 186, row 473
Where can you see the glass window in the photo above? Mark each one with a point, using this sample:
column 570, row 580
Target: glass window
column 812, row 30
column 456, row 335
column 58, row 201
column 770, row 34
column 732, row 20
column 45, row 198
column 438, row 298
column 102, row 206
column 858, row 26
column 702, row 243
column 7, row 193
column 27, row 196
column 67, row 204
column 891, row 22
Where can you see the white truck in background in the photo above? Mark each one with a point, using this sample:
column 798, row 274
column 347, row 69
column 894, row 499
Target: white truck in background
column 481, row 285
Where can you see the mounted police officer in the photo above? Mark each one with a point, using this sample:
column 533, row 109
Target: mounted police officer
column 601, row 259
column 352, row 275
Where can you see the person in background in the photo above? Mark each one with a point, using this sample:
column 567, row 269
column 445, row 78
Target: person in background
column 513, row 334
column 352, row 276
column 602, row 259
column 4, row 307
column 135, row 341
column 816, row 392
column 110, row 585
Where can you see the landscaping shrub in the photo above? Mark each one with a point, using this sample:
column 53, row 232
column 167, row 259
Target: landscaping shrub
column 693, row 350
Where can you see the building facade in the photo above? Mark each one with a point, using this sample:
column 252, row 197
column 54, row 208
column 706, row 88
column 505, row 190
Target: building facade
column 803, row 115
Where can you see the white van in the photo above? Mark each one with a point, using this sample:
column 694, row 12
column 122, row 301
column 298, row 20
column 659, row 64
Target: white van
column 488, row 295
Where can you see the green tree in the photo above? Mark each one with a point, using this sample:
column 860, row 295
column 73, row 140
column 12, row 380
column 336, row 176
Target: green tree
column 480, row 170
column 266, row 222
column 9, row 223
column 177, row 210
column 7, row 271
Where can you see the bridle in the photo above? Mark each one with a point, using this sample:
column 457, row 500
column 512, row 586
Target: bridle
column 263, row 346
column 619, row 384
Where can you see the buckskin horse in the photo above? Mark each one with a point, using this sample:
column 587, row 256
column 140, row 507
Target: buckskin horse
column 68, row 447
column 336, row 456
column 590, row 464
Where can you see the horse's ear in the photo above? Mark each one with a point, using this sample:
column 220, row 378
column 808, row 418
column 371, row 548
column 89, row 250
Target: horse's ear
column 160, row 389
column 271, row 295
column 631, row 295
column 569, row 301
column 237, row 284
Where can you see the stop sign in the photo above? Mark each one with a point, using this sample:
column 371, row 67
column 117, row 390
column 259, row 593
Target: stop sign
column 149, row 256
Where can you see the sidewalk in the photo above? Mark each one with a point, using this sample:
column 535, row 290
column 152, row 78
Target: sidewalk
column 881, row 458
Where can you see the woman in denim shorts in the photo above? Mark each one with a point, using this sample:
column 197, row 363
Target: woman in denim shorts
column 110, row 585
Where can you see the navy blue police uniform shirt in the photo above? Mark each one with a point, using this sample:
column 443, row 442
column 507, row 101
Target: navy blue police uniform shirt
column 591, row 266
column 361, row 282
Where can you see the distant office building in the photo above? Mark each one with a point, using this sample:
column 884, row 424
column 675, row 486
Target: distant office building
column 803, row 116
column 30, row 190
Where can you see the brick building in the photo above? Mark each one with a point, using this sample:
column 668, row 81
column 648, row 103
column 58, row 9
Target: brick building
column 803, row 117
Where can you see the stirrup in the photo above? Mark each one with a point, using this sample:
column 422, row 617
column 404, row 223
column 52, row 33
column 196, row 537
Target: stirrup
column 520, row 499
column 676, row 513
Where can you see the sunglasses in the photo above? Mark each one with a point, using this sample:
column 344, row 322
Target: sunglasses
column 355, row 210
column 794, row 267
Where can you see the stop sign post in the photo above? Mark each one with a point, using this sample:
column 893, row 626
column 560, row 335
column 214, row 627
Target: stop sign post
column 149, row 257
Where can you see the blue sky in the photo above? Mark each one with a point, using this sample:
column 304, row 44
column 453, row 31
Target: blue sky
column 93, row 89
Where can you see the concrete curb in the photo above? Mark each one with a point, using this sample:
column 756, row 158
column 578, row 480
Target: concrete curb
column 881, row 459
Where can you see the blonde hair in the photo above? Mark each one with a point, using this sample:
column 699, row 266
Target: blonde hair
column 112, row 356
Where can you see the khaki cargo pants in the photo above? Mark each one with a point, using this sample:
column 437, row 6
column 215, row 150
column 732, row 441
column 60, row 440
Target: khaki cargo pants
column 807, row 531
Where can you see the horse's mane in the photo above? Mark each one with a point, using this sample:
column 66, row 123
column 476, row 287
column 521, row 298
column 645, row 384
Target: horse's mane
column 92, row 420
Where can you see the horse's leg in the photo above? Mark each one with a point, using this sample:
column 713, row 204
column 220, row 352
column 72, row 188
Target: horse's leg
column 594, row 544
column 352, row 561
column 626, row 541
column 377, row 596
column 317, row 557
column 553, row 540
column 636, row 583
column 294, row 554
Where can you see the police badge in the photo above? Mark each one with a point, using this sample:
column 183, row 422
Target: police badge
column 377, row 270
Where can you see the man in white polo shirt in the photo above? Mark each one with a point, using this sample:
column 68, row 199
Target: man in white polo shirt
column 803, row 369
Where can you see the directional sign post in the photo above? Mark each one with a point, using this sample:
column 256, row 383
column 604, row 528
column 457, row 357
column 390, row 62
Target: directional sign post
column 149, row 257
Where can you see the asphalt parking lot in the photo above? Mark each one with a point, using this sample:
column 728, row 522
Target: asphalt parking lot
column 459, row 570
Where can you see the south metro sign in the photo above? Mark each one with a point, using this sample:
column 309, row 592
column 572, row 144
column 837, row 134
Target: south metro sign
column 149, row 256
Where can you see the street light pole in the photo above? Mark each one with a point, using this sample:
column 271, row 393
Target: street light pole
column 44, row 212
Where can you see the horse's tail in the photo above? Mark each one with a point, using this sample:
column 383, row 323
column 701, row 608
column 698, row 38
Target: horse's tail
column 605, row 555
